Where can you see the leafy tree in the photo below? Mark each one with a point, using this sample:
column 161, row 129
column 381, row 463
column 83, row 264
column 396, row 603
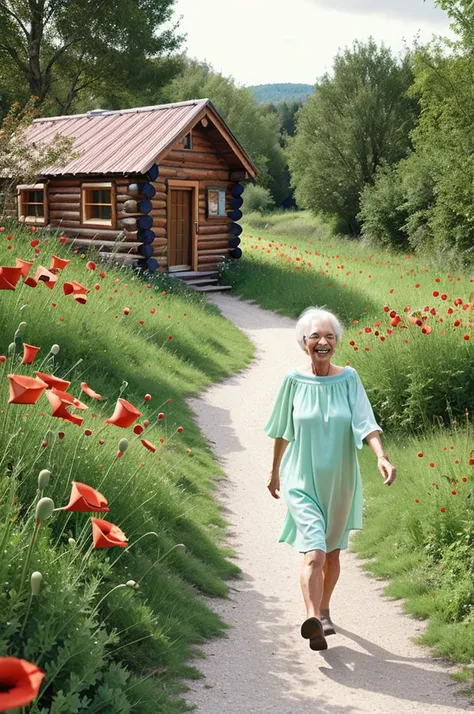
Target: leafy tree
column 257, row 130
column 358, row 119
column 62, row 49
column 19, row 159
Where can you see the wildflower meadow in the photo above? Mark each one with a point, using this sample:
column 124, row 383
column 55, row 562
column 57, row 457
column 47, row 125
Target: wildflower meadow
column 108, row 531
column 409, row 332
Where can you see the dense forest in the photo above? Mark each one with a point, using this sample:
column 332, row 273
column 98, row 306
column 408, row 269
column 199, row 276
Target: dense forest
column 289, row 92
column 381, row 146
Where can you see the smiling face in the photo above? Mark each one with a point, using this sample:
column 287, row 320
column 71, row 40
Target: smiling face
column 320, row 343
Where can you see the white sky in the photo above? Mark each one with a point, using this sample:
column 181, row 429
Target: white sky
column 262, row 41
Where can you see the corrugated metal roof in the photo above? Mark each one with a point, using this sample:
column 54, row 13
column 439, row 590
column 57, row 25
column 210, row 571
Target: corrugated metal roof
column 124, row 141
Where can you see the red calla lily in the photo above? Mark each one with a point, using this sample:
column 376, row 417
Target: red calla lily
column 29, row 353
column 24, row 265
column 125, row 414
column 9, row 277
column 81, row 298
column 19, row 682
column 25, row 390
column 69, row 399
column 90, row 392
column 52, row 381
column 85, row 499
column 59, row 407
column 75, row 288
column 107, row 535
column 58, row 263
column 46, row 276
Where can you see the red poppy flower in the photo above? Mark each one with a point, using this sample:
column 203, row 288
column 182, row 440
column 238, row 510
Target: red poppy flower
column 19, row 682
column 58, row 263
column 25, row 390
column 85, row 499
column 125, row 414
column 80, row 298
column 147, row 397
column 90, row 265
column 59, row 407
column 107, row 535
column 148, row 445
column 90, row 392
column 138, row 429
column 9, row 277
column 69, row 399
column 161, row 415
column 52, row 381
column 180, row 429
column 443, row 510
column 74, row 288
column 29, row 353
column 427, row 330
column 395, row 321
column 24, row 265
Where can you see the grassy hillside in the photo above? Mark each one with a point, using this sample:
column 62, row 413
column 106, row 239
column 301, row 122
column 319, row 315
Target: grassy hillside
column 288, row 92
column 105, row 647
column 409, row 332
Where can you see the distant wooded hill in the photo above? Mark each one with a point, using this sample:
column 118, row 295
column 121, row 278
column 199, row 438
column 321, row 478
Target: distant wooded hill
column 288, row 92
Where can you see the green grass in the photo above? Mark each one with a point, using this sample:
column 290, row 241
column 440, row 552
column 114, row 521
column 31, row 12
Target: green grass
column 421, row 387
column 145, row 638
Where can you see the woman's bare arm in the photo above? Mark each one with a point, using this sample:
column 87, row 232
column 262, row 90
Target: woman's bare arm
column 388, row 471
column 279, row 448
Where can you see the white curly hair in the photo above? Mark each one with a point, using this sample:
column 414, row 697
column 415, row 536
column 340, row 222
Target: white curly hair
column 308, row 316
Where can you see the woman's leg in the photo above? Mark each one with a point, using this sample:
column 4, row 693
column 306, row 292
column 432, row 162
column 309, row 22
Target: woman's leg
column 332, row 569
column 312, row 581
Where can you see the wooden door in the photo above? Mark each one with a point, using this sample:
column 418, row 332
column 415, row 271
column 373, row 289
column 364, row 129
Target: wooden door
column 180, row 220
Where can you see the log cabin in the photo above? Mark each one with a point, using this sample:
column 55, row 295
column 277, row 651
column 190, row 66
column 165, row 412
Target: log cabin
column 161, row 185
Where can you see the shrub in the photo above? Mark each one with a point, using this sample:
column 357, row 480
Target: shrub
column 258, row 198
column 382, row 213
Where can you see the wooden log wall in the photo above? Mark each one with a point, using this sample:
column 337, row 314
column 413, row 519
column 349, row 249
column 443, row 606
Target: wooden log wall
column 210, row 161
column 64, row 199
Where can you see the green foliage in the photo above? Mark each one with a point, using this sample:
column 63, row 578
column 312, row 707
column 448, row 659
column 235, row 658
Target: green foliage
column 60, row 50
column 258, row 198
column 19, row 161
column 357, row 120
column 121, row 651
column 382, row 215
column 257, row 131
column 287, row 92
column 286, row 112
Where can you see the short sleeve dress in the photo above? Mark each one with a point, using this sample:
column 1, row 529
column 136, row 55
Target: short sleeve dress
column 326, row 420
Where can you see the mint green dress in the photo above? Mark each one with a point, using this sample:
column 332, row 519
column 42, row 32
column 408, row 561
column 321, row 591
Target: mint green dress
column 325, row 419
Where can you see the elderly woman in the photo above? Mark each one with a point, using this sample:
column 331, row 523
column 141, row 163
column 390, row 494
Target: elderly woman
column 322, row 413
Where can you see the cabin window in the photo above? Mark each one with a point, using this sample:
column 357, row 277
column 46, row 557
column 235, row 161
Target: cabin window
column 187, row 141
column 32, row 206
column 216, row 202
column 98, row 204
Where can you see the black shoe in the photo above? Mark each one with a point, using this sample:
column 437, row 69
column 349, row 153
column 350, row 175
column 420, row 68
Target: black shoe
column 328, row 626
column 312, row 630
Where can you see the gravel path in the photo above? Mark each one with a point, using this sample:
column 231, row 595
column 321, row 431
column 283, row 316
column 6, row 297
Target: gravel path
column 264, row 665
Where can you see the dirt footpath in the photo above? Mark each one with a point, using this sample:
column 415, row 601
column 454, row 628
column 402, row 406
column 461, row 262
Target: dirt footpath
column 264, row 665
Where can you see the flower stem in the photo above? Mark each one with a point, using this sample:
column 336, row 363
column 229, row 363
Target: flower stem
column 28, row 558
